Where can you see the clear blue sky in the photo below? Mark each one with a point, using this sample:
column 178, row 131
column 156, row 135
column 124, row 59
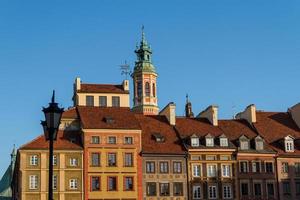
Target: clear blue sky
column 229, row 53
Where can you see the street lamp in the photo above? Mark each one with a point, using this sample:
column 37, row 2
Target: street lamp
column 53, row 116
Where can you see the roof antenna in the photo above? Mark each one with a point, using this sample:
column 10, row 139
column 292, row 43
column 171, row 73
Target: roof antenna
column 125, row 69
column 233, row 110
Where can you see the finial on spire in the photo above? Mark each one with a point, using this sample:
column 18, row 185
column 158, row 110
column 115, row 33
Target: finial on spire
column 53, row 97
column 144, row 42
column 187, row 97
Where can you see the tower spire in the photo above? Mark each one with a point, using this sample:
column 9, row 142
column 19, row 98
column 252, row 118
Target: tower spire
column 188, row 107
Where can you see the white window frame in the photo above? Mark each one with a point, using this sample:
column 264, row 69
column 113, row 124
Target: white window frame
column 240, row 164
column 111, row 136
column 283, row 168
column 227, row 171
column 54, row 162
column 125, row 142
column 274, row 189
column 195, row 142
column 34, row 160
column 73, row 184
column 248, row 186
column 214, row 191
column 209, row 168
column 33, row 182
column 243, row 142
column 195, row 189
column 266, row 166
column 261, row 189
column 252, row 165
column 224, row 142
column 197, row 173
column 209, row 142
column 289, row 144
column 73, row 162
column 229, row 190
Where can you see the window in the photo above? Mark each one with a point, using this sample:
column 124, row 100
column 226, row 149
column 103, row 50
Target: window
column 177, row 189
column 270, row 189
column 297, row 168
column 289, row 144
column 73, row 162
column 112, row 183
column 212, row 192
column 95, row 183
column 34, row 160
column 227, row 192
column 128, row 159
column 103, row 101
column 147, row 89
column 33, row 182
column 89, row 100
column 195, row 142
column 153, row 90
column 196, row 170
column 54, row 182
column 95, row 140
column 269, row 167
column 115, row 101
column 54, row 161
column 257, row 189
column 139, row 89
column 297, row 188
column 112, row 140
column 244, row 145
column 177, row 167
column 226, row 170
column 259, row 144
column 164, row 167
column 95, row 159
column 128, row 183
column 151, row 189
column 164, row 189
column 196, row 191
column 286, row 187
column 211, row 170
column 209, row 142
column 244, row 189
column 209, row 157
column 223, row 142
column 112, row 159
column 73, row 184
column 150, row 167
column 243, row 166
column 255, row 166
column 285, row 167
column 128, row 140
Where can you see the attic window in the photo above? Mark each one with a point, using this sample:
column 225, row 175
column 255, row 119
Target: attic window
column 289, row 144
column 194, row 141
column 259, row 143
column 209, row 140
column 224, row 142
column 109, row 120
column 158, row 137
column 244, row 143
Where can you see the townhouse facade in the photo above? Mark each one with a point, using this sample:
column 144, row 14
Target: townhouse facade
column 109, row 150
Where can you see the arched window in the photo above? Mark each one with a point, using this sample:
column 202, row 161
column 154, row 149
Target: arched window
column 153, row 90
column 139, row 89
column 147, row 89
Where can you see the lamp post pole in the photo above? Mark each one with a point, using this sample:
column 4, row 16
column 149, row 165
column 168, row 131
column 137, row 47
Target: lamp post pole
column 51, row 126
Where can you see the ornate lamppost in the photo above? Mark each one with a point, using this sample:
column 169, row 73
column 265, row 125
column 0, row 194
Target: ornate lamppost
column 51, row 124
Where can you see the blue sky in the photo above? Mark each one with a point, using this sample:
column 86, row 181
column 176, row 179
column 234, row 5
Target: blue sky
column 229, row 53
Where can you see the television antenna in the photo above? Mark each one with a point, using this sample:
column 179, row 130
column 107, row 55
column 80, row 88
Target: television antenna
column 125, row 69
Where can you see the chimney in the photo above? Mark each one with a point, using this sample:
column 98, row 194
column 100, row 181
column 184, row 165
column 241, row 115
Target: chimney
column 126, row 85
column 248, row 114
column 294, row 111
column 170, row 113
column 188, row 108
column 77, row 84
column 210, row 113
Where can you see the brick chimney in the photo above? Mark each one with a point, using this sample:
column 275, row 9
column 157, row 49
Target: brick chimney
column 211, row 114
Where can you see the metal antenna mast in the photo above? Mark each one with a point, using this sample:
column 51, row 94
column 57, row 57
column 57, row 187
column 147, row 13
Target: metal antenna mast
column 125, row 69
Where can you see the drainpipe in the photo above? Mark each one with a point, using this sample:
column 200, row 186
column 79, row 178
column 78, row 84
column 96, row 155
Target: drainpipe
column 277, row 177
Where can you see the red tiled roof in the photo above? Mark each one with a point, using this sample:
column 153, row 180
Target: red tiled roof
column 96, row 118
column 274, row 126
column 63, row 141
column 199, row 126
column 152, row 125
column 70, row 113
column 233, row 129
column 102, row 88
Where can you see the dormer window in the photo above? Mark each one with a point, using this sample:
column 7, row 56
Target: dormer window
column 158, row 137
column 223, row 141
column 109, row 120
column 209, row 140
column 259, row 143
column 244, row 143
column 194, row 141
column 289, row 144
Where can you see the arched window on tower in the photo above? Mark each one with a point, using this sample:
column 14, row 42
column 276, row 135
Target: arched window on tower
column 147, row 89
column 153, row 90
column 139, row 89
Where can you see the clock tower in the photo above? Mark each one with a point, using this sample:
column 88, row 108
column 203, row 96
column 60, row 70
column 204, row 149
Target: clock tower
column 144, row 80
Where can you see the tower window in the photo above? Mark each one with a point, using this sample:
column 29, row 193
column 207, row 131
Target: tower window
column 139, row 89
column 147, row 89
column 153, row 90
